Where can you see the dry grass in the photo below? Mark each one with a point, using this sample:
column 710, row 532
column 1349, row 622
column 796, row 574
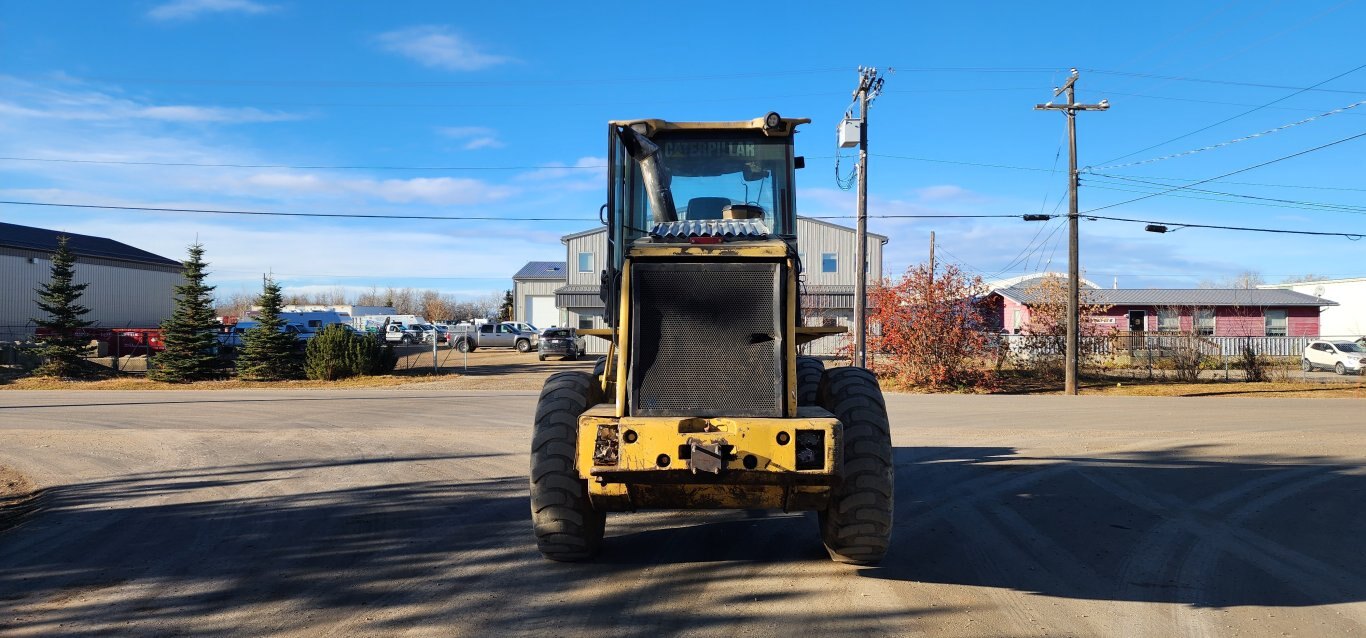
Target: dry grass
column 488, row 369
column 1233, row 389
column 140, row 383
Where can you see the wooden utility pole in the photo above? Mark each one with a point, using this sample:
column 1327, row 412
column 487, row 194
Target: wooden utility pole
column 1073, row 270
column 869, row 86
column 931, row 256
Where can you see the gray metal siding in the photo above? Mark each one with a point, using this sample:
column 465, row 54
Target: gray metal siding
column 815, row 239
column 531, row 288
column 118, row 296
column 596, row 244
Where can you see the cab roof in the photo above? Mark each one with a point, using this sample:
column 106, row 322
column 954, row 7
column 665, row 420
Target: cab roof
column 788, row 127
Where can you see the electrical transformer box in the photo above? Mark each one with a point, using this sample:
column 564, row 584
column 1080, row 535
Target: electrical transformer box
column 849, row 133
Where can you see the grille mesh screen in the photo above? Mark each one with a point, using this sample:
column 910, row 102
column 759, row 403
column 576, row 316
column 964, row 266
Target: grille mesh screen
column 706, row 340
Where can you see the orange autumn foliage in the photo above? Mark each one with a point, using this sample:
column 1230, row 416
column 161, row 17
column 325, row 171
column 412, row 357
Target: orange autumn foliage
column 932, row 334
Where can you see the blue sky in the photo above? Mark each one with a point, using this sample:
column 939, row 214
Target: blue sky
column 526, row 88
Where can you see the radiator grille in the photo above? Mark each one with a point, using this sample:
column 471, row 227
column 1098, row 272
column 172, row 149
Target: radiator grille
column 706, row 340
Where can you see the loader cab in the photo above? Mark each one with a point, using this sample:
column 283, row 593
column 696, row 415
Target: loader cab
column 724, row 172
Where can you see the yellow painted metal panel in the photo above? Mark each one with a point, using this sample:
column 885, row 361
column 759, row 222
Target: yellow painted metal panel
column 749, row 249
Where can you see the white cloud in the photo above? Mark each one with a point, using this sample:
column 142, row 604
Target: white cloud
column 191, row 9
column 443, row 191
column 474, row 137
column 947, row 192
column 25, row 100
column 438, row 47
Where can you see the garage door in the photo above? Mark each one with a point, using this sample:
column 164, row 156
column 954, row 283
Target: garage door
column 541, row 311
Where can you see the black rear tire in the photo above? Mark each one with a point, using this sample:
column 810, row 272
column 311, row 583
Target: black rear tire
column 857, row 525
column 463, row 345
column 1306, row 366
column 809, row 372
column 567, row 527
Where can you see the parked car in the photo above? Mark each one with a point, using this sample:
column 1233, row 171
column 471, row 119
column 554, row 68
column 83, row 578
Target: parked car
column 1339, row 356
column 230, row 338
column 493, row 336
column 563, row 342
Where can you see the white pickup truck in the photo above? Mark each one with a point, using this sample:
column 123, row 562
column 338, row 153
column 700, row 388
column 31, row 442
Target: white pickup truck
column 401, row 334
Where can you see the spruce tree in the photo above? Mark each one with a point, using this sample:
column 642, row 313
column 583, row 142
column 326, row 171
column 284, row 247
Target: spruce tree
column 268, row 352
column 60, row 348
column 190, row 334
column 505, row 310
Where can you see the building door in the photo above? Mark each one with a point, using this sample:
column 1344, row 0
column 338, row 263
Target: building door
column 541, row 311
column 1137, row 320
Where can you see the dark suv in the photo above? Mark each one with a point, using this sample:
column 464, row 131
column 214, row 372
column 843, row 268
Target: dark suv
column 560, row 341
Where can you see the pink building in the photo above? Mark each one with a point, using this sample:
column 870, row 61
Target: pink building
column 1214, row 312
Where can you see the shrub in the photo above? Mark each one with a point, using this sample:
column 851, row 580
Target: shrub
column 1254, row 368
column 387, row 359
column 338, row 353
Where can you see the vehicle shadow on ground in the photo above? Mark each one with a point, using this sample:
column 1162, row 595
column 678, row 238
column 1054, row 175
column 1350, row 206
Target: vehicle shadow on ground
column 1163, row 526
column 162, row 551
column 227, row 551
column 484, row 394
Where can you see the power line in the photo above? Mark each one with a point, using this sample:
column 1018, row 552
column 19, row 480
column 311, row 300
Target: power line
column 1110, row 187
column 303, row 167
column 1230, row 119
column 1279, row 231
column 291, row 83
column 963, row 163
column 1266, row 184
column 1225, row 82
column 1322, row 205
column 1241, row 170
column 213, row 211
column 1341, row 109
column 1215, row 102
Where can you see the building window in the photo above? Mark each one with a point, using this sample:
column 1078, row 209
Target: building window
column 585, row 322
column 829, row 263
column 1204, row 322
column 585, row 262
column 1168, row 320
column 1275, row 323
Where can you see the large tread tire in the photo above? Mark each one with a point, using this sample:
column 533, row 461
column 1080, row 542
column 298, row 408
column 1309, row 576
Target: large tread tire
column 523, row 345
column 567, row 527
column 856, row 527
column 809, row 373
column 463, row 345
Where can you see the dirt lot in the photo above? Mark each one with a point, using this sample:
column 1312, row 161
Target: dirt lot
column 404, row 512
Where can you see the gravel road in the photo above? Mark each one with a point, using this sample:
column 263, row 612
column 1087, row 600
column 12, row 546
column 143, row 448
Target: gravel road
column 404, row 512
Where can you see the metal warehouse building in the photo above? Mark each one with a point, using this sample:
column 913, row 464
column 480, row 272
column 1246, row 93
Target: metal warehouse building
column 566, row 293
column 129, row 287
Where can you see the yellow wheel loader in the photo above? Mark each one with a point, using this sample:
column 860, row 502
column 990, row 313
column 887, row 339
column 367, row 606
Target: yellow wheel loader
column 702, row 401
